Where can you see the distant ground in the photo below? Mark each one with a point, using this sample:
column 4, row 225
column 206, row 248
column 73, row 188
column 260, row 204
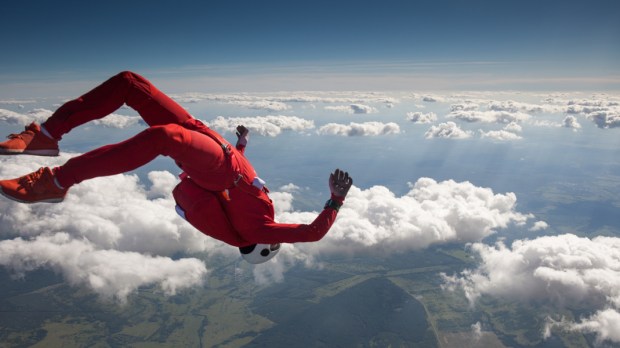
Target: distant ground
column 368, row 302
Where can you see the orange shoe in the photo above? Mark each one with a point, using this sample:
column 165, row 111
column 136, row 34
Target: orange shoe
column 35, row 187
column 30, row 142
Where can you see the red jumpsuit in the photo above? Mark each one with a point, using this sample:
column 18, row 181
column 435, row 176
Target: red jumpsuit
column 245, row 218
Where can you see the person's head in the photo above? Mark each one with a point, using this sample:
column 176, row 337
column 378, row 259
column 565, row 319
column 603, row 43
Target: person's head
column 259, row 253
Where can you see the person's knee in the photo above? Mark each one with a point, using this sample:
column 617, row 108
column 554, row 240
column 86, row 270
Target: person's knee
column 127, row 75
column 169, row 136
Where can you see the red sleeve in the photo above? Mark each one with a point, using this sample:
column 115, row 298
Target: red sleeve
column 273, row 232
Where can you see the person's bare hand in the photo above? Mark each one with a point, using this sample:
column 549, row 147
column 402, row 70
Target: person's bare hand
column 339, row 183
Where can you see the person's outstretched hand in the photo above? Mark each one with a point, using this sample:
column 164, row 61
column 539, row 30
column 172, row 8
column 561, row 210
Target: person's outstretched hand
column 243, row 134
column 339, row 183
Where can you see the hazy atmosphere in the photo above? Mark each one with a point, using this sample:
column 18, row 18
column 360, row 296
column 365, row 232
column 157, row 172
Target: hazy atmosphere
column 482, row 136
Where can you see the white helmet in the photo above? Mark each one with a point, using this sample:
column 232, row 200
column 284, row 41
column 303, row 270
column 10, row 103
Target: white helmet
column 259, row 253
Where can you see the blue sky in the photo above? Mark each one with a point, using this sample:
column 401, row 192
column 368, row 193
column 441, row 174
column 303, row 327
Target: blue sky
column 68, row 40
column 460, row 121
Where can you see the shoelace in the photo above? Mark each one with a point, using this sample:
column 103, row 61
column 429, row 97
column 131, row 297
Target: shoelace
column 28, row 181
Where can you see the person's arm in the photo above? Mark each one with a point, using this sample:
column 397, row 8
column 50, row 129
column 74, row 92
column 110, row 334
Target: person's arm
column 243, row 135
column 339, row 183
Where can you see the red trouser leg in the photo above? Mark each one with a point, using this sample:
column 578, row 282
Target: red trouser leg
column 124, row 88
column 202, row 156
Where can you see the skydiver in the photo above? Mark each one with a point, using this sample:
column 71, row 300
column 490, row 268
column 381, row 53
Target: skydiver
column 220, row 193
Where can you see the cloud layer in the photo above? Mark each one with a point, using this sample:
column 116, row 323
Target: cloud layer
column 447, row 130
column 360, row 129
column 430, row 213
column 104, row 234
column 114, row 235
column 271, row 125
column 563, row 270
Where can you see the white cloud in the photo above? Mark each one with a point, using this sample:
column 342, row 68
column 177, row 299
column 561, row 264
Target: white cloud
column 447, row 130
column 279, row 100
column 105, row 232
column 515, row 107
column 605, row 324
column 571, row 122
column 118, row 121
column 419, row 117
column 501, row 135
column 432, row 98
column 539, row 226
column 360, row 129
column 604, row 113
column 605, row 119
column 353, row 109
column 268, row 105
column 290, row 188
column 513, row 127
column 465, row 106
column 18, row 102
column 563, row 270
column 476, row 331
column 489, row 116
column 430, row 213
column 37, row 115
column 264, row 125
column 110, row 273
column 109, row 229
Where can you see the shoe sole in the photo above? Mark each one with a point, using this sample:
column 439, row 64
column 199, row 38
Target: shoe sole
column 49, row 200
column 29, row 152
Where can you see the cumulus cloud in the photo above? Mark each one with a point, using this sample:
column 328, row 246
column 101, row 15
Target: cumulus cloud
column 563, row 270
column 605, row 119
column 12, row 117
column 489, row 116
column 513, row 127
column 110, row 273
column 104, row 234
column 464, row 106
column 360, row 129
column 515, row 107
column 244, row 101
column 118, row 121
column 432, row 98
column 501, row 135
column 353, row 109
column 539, row 226
column 605, row 324
column 447, row 130
column 115, row 235
column 264, row 125
column 571, row 122
column 419, row 117
column 604, row 113
column 432, row 212
column 476, row 331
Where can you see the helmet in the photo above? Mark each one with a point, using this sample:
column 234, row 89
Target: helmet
column 259, row 253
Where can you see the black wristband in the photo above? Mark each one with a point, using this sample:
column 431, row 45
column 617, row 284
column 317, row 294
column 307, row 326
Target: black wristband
column 332, row 204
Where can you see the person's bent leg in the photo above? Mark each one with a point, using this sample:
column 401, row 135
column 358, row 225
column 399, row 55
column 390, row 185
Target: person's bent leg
column 195, row 152
column 184, row 146
column 127, row 87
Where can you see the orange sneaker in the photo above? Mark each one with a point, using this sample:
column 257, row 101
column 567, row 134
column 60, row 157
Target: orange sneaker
column 30, row 142
column 35, row 187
